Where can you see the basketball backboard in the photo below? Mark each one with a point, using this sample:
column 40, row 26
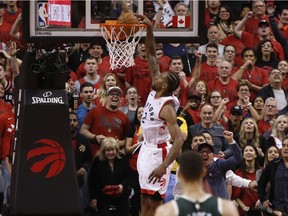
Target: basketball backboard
column 79, row 21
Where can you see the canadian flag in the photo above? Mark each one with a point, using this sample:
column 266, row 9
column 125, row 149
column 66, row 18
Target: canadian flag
column 181, row 21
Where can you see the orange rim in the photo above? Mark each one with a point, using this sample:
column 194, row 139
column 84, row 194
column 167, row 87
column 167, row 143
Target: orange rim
column 113, row 23
column 109, row 23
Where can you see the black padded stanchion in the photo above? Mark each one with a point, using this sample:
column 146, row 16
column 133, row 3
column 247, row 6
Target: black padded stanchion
column 43, row 168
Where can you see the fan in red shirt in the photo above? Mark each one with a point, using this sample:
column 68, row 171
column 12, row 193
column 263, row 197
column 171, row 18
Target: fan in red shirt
column 209, row 69
column 255, row 75
column 96, row 51
column 5, row 27
column 139, row 75
column 263, row 32
column 224, row 83
column 258, row 13
column 12, row 12
column 106, row 121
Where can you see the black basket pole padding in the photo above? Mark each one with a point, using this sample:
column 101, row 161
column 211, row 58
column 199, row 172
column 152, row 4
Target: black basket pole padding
column 42, row 134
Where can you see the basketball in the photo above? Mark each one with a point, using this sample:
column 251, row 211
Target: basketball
column 127, row 17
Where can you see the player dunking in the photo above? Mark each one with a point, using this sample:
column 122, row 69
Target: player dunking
column 194, row 200
column 159, row 124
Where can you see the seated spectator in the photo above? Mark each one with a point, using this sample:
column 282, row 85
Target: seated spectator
column 189, row 59
column 78, row 55
column 249, row 135
column 139, row 74
column 255, row 75
column 5, row 26
column 266, row 57
column 225, row 83
column 133, row 144
column 258, row 105
column 211, row 12
column 91, row 76
column 106, row 121
column 214, row 181
column 273, row 173
column 274, row 89
column 235, row 121
column 263, row 32
column 176, row 66
column 12, row 11
column 95, row 50
column 283, row 21
column 246, row 198
column 283, row 67
column 235, row 41
column 208, row 70
column 219, row 106
column 213, row 35
column 4, row 106
column 8, row 86
column 224, row 22
column 131, row 103
column 244, row 93
column 82, row 153
column 269, row 115
column 258, row 13
column 108, row 180
column 229, row 55
column 279, row 35
column 271, row 153
column 278, row 131
column 163, row 60
column 245, row 8
column 220, row 143
column 87, row 96
column 190, row 112
column 109, row 81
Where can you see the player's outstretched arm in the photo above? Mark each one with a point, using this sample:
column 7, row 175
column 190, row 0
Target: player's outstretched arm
column 150, row 47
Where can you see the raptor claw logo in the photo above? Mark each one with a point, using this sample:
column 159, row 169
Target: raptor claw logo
column 50, row 154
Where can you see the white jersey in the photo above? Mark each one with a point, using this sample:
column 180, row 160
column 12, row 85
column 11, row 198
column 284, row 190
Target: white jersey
column 154, row 129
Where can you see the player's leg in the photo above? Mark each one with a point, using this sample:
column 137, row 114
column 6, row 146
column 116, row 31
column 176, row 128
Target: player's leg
column 149, row 203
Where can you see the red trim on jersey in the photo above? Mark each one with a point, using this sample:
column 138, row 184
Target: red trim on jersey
column 164, row 150
column 151, row 192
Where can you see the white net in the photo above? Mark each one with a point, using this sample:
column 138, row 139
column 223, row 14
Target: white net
column 121, row 43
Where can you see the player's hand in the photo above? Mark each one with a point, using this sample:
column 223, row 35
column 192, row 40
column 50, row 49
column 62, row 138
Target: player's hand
column 143, row 20
column 157, row 174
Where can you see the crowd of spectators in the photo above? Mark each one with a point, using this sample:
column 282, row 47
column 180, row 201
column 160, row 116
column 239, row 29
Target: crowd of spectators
column 235, row 82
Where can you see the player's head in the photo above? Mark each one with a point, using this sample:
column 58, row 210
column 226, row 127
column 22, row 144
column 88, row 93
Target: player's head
column 191, row 166
column 166, row 82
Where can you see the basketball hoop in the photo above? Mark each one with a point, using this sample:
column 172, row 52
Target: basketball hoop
column 121, row 40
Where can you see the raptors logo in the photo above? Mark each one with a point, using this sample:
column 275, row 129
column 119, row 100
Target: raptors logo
column 49, row 155
column 162, row 182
